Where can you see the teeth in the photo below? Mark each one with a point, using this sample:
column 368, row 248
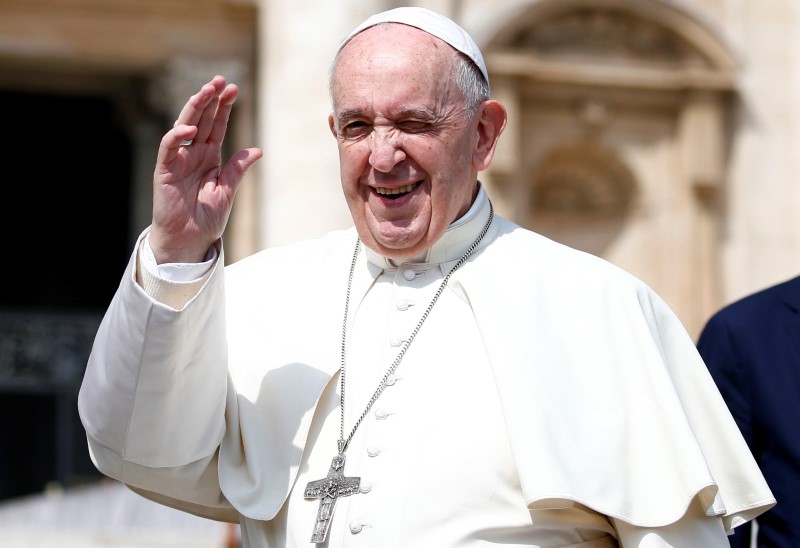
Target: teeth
column 391, row 191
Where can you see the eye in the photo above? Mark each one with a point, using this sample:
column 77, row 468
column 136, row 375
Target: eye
column 414, row 126
column 356, row 128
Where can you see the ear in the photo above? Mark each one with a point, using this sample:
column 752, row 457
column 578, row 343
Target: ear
column 332, row 124
column 491, row 123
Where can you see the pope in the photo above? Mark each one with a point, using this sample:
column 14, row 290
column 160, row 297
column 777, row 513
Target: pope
column 433, row 376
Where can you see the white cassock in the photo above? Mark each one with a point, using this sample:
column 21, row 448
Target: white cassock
column 549, row 399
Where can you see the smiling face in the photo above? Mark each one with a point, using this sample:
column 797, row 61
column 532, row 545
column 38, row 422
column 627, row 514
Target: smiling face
column 408, row 154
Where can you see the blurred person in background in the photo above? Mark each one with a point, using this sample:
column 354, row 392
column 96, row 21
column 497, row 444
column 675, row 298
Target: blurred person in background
column 752, row 349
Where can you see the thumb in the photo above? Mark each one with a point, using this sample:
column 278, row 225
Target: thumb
column 236, row 167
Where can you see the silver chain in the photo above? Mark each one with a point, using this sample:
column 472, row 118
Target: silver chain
column 344, row 442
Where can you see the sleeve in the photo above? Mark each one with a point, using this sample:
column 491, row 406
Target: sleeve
column 590, row 361
column 171, row 284
column 154, row 394
column 693, row 529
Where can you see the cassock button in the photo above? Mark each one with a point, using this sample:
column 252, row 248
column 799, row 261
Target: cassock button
column 403, row 304
column 356, row 527
column 381, row 414
column 409, row 275
column 373, row 451
column 396, row 341
column 390, row 380
column 365, row 486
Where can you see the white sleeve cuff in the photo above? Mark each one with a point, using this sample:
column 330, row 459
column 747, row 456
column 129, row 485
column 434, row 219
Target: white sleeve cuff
column 172, row 284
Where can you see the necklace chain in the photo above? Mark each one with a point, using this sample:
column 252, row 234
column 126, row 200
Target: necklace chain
column 344, row 442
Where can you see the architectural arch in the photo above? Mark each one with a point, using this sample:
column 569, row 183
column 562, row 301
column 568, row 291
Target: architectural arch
column 648, row 85
column 585, row 191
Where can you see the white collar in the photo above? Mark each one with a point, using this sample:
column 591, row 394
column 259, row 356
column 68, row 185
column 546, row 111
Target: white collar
column 454, row 242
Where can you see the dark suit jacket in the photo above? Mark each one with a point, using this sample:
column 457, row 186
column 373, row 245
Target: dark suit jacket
column 752, row 349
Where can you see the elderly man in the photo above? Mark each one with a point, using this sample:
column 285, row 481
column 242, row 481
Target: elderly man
column 435, row 376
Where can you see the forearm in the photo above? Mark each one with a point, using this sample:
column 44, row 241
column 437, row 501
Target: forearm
column 154, row 388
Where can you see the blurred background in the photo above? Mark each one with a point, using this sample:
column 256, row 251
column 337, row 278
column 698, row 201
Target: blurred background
column 663, row 135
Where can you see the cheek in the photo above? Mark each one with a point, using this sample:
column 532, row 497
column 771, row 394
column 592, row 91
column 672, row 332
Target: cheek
column 351, row 159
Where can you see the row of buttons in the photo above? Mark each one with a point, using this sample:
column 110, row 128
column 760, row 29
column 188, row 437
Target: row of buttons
column 356, row 526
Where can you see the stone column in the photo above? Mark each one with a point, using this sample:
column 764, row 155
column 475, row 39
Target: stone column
column 503, row 179
column 701, row 136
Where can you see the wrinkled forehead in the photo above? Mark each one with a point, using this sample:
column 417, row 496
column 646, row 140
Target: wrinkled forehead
column 393, row 68
column 428, row 21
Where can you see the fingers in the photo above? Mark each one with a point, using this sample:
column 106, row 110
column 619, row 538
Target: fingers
column 203, row 119
column 209, row 110
column 223, row 114
column 214, row 120
column 194, row 108
column 233, row 171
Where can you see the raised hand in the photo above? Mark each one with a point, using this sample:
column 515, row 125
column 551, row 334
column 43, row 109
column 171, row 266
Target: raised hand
column 192, row 191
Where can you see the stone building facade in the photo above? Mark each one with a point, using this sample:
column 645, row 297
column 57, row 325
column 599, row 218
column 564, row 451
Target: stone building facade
column 663, row 135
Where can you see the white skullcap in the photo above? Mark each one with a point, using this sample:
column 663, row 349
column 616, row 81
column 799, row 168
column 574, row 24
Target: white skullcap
column 434, row 24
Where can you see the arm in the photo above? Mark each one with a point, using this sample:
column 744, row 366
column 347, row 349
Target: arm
column 154, row 395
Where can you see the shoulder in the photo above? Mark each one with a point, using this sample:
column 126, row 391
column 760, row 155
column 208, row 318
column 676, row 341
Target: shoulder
column 755, row 319
column 526, row 254
column 756, row 306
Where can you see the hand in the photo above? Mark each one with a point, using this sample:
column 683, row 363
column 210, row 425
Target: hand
column 192, row 192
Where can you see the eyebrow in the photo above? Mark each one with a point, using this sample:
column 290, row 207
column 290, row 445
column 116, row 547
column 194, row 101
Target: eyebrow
column 347, row 114
column 419, row 113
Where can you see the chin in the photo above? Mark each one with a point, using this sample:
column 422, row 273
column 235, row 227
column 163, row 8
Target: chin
column 399, row 242
column 402, row 253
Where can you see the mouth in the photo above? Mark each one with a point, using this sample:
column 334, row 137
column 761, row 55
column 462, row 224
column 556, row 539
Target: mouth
column 398, row 192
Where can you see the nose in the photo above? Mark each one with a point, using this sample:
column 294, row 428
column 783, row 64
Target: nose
column 386, row 150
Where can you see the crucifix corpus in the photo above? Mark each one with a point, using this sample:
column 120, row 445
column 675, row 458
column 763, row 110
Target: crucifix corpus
column 327, row 490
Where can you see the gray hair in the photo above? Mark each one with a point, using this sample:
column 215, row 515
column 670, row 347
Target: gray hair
column 469, row 79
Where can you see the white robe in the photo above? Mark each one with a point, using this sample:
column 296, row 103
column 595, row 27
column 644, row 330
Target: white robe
column 550, row 399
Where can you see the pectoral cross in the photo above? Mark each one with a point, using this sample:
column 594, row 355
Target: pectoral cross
column 327, row 490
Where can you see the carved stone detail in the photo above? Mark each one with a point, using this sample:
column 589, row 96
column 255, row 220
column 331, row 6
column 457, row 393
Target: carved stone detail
column 583, row 178
column 605, row 32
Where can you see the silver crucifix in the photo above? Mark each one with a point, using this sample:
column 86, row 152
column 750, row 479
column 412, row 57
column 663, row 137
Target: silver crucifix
column 327, row 490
